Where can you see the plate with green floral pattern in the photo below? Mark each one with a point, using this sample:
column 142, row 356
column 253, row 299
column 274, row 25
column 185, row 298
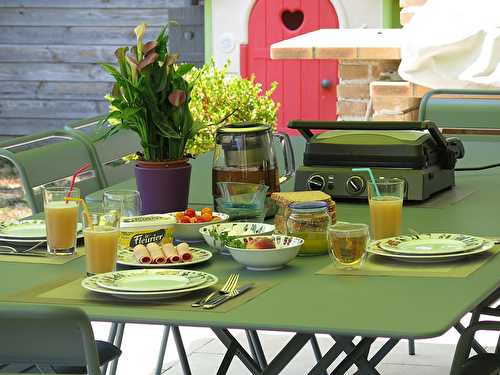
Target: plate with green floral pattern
column 431, row 244
column 90, row 283
column 150, row 280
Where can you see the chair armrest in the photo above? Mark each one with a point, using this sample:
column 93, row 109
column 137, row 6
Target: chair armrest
column 464, row 344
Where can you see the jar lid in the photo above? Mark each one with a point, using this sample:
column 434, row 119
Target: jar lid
column 243, row 127
column 309, row 206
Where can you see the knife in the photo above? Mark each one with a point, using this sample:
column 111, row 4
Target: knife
column 220, row 300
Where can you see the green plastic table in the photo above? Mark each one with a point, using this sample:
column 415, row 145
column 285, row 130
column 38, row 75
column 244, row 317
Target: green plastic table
column 345, row 307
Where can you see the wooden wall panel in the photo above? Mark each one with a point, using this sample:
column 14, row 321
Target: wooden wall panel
column 50, row 51
column 144, row 4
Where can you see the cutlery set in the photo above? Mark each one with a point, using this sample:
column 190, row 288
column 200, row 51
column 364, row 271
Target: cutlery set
column 9, row 250
column 228, row 291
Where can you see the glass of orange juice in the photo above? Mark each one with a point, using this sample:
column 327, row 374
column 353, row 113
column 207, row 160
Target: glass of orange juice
column 101, row 231
column 61, row 219
column 385, row 197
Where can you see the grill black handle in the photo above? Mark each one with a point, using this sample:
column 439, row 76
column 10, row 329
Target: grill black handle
column 448, row 157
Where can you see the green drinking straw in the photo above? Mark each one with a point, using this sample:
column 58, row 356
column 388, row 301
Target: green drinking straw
column 372, row 177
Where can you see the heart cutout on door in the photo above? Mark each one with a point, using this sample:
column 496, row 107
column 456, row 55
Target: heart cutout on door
column 292, row 20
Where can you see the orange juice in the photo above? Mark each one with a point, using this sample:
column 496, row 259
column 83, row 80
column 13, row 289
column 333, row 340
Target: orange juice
column 385, row 215
column 101, row 243
column 61, row 223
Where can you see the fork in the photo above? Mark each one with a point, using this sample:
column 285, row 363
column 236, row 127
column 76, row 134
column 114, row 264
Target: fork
column 227, row 288
column 414, row 233
column 13, row 250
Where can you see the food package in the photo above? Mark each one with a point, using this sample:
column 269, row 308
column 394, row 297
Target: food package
column 141, row 230
column 284, row 199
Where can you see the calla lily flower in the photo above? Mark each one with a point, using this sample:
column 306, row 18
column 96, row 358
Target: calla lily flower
column 148, row 60
column 177, row 98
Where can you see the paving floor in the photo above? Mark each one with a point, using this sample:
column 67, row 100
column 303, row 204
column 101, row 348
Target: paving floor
column 141, row 343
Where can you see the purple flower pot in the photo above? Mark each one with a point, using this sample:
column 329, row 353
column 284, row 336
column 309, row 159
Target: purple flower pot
column 163, row 187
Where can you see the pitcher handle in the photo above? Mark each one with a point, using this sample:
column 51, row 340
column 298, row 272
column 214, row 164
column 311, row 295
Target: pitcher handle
column 288, row 156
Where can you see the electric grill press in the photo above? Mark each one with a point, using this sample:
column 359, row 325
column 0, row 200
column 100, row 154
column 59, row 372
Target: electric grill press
column 417, row 152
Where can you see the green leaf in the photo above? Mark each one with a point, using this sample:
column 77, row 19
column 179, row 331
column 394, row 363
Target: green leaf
column 120, row 54
column 183, row 69
column 162, row 40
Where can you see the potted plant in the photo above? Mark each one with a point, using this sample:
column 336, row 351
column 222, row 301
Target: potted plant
column 216, row 95
column 151, row 97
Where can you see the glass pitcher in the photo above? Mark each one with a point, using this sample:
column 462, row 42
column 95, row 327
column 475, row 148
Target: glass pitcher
column 244, row 152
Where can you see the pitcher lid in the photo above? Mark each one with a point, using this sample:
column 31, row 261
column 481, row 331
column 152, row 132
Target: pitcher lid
column 244, row 127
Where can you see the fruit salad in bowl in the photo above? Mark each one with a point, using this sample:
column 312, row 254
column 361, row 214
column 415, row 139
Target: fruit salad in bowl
column 188, row 223
column 264, row 253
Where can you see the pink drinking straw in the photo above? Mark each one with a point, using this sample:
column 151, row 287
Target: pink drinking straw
column 79, row 171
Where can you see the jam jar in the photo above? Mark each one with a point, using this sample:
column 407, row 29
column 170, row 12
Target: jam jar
column 309, row 221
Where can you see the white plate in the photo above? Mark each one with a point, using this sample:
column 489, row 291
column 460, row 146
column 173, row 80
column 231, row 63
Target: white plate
column 30, row 230
column 90, row 283
column 149, row 280
column 286, row 249
column 375, row 249
column 126, row 257
column 431, row 244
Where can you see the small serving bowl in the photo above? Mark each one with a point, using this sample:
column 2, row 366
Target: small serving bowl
column 190, row 232
column 286, row 249
column 212, row 232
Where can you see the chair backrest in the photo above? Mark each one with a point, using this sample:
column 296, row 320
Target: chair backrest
column 47, row 335
column 110, row 150
column 472, row 115
column 47, row 158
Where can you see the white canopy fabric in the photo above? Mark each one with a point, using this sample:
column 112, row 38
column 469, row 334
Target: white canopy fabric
column 453, row 44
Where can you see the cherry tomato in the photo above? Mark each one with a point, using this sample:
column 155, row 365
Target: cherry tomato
column 185, row 219
column 190, row 212
column 200, row 219
column 206, row 210
column 192, row 220
column 206, row 217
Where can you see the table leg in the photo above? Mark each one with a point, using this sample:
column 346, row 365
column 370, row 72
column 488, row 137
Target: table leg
column 256, row 348
column 286, row 354
column 181, row 351
column 353, row 356
column 474, row 345
column 227, row 340
column 330, row 356
column 163, row 348
column 228, row 358
column 111, row 339
column 345, row 344
column 411, row 347
column 361, row 360
column 383, row 351
column 317, row 351
column 118, row 343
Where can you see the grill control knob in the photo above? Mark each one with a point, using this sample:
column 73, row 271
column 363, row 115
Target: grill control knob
column 355, row 185
column 316, row 182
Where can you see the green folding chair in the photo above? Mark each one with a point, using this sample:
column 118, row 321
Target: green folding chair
column 52, row 339
column 47, row 158
column 483, row 363
column 473, row 116
column 109, row 151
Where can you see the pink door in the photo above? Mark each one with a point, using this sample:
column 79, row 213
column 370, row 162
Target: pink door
column 306, row 88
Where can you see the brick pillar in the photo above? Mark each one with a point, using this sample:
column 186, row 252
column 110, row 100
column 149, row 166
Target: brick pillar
column 396, row 101
column 353, row 90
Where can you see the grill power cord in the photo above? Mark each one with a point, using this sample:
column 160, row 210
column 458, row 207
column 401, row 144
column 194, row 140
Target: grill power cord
column 496, row 165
